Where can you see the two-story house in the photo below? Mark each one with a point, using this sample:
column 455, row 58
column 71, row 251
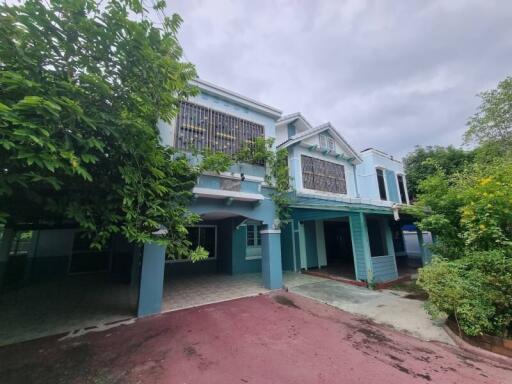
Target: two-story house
column 344, row 204
column 343, row 209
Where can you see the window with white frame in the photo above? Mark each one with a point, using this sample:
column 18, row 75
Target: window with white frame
column 382, row 184
column 253, row 235
column 401, row 188
column 327, row 142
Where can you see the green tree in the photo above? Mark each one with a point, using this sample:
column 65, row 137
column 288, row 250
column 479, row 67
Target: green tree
column 492, row 123
column 82, row 86
column 427, row 161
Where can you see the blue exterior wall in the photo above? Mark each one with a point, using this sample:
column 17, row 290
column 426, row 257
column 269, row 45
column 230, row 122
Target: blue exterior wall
column 367, row 175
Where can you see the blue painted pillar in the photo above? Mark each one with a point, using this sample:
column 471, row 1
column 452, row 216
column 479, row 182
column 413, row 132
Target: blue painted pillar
column 151, row 280
column 361, row 247
column 271, row 267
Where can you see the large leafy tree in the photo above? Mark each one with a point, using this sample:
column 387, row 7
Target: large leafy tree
column 82, row 86
column 428, row 161
column 493, row 120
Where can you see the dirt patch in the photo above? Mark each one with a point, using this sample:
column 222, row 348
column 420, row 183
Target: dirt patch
column 189, row 351
column 374, row 334
column 422, row 296
column 283, row 300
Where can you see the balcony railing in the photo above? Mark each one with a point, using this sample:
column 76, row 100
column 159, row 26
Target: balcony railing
column 200, row 128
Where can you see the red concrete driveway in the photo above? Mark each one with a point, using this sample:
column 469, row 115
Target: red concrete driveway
column 278, row 338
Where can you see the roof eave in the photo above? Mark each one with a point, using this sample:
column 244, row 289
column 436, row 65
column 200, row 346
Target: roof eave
column 237, row 98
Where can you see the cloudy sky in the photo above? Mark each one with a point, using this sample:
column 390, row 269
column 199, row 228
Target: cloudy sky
column 387, row 74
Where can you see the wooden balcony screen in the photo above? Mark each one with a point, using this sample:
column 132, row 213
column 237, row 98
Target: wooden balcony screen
column 200, row 128
column 321, row 175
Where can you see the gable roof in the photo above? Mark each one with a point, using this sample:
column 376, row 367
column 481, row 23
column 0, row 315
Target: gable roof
column 322, row 128
column 287, row 119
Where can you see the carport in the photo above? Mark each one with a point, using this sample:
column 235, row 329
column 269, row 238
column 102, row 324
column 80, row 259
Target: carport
column 52, row 283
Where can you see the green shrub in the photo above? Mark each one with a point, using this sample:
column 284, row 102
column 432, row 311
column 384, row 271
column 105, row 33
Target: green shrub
column 475, row 290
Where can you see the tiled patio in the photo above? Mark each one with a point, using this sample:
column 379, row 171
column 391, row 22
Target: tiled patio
column 191, row 291
column 186, row 292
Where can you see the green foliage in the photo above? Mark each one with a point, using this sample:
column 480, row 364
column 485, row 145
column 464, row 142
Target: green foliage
column 470, row 210
column 82, row 86
column 493, row 121
column 475, row 290
column 277, row 177
column 428, row 161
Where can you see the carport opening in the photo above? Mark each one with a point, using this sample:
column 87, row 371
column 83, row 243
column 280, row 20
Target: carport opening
column 232, row 269
column 338, row 248
column 51, row 282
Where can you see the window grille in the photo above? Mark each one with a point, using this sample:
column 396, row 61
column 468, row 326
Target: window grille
column 200, row 128
column 321, row 175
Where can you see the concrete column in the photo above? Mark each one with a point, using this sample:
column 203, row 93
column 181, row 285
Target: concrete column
column 5, row 247
column 271, row 267
column 151, row 280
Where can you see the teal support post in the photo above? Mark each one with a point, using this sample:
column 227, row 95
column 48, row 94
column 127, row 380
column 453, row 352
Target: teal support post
column 271, row 268
column 151, row 280
column 390, row 246
column 361, row 246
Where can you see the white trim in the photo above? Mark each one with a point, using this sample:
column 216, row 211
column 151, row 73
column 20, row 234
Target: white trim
column 236, row 98
column 321, row 128
column 379, row 153
column 405, row 188
column 264, row 231
column 221, row 194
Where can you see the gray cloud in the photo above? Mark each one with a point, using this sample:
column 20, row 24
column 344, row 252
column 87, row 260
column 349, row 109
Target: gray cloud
column 387, row 74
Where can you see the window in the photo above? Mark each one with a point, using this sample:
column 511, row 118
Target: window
column 200, row 128
column 377, row 237
column 327, row 142
column 401, row 187
column 253, row 235
column 382, row 184
column 322, row 175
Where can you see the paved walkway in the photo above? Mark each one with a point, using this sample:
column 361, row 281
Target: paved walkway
column 272, row 338
column 385, row 307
